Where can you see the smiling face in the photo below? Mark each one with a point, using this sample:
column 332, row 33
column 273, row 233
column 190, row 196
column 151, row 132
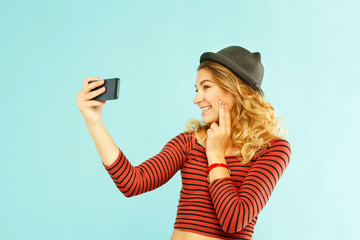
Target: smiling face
column 208, row 96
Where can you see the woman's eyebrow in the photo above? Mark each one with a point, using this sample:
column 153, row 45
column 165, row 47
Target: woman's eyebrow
column 206, row 80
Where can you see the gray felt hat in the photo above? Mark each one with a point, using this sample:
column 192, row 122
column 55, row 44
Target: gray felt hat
column 244, row 64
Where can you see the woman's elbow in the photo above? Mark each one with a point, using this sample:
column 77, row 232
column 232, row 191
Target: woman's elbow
column 128, row 193
column 230, row 226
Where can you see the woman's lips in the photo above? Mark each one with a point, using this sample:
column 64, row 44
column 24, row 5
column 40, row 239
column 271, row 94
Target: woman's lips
column 206, row 109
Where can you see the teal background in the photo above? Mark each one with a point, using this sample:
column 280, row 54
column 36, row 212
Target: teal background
column 52, row 182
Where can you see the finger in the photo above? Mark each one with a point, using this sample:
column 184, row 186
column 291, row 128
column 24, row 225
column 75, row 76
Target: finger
column 84, row 96
column 221, row 115
column 89, row 87
column 210, row 132
column 92, row 94
column 214, row 126
column 88, row 79
column 227, row 119
column 93, row 85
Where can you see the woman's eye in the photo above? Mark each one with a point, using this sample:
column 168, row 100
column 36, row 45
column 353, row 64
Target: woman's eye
column 205, row 87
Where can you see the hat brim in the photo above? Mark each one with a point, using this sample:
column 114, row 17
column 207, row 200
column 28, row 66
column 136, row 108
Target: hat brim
column 238, row 71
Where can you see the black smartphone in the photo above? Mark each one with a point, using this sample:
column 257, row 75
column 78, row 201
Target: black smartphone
column 112, row 86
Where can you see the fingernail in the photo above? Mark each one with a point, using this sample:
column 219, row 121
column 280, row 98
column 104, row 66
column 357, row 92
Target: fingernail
column 221, row 103
column 226, row 106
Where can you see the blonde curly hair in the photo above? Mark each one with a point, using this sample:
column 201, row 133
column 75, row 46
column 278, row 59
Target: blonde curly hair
column 253, row 119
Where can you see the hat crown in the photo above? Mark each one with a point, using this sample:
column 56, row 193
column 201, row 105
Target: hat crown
column 246, row 65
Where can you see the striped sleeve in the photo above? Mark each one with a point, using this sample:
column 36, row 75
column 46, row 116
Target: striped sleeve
column 152, row 173
column 236, row 207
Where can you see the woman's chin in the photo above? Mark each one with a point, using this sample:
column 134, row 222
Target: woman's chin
column 207, row 121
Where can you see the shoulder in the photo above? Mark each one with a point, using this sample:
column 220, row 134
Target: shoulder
column 183, row 138
column 280, row 143
column 275, row 144
column 275, row 157
column 279, row 149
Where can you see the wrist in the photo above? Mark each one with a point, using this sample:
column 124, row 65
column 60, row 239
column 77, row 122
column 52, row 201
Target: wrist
column 215, row 165
column 218, row 172
column 94, row 126
column 215, row 158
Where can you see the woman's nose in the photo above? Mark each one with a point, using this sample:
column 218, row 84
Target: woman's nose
column 198, row 98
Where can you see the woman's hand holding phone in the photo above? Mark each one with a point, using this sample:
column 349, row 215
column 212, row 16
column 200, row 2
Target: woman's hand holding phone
column 91, row 109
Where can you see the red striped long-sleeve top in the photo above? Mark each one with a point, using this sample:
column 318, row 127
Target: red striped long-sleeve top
column 226, row 208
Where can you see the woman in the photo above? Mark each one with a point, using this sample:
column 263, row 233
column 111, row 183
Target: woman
column 229, row 165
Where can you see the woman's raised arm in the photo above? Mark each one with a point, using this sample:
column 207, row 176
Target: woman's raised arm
column 91, row 111
column 104, row 143
column 152, row 173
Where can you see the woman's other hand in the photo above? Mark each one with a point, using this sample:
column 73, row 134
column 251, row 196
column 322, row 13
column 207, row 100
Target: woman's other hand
column 91, row 109
column 218, row 135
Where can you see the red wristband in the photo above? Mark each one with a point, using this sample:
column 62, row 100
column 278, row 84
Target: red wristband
column 214, row 165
